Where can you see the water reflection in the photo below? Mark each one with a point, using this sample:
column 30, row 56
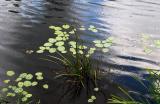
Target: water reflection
column 24, row 26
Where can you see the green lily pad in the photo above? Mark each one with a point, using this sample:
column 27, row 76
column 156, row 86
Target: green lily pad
column 52, row 50
column 52, row 40
column 61, row 48
column 66, row 26
column 20, row 84
column 60, row 43
column 97, row 41
column 48, row 44
column 40, row 51
column 27, row 83
column 99, row 45
column 45, row 86
column 10, row 73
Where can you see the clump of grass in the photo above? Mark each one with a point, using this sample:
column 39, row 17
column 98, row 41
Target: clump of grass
column 153, row 89
column 66, row 49
column 17, row 87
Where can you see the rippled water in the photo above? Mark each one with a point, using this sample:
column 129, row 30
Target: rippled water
column 24, row 26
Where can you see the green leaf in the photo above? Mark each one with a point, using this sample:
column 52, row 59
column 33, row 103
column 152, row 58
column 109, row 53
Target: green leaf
column 38, row 73
column 97, row 41
column 20, row 84
column 29, row 76
column 60, row 43
column 6, row 81
column 42, row 48
column 40, row 51
column 90, row 100
column 4, row 89
column 24, row 99
column 28, row 95
column 61, row 48
column 107, row 45
column 45, row 86
column 10, row 73
column 27, row 83
column 99, row 45
column 48, row 44
column 93, row 97
column 34, row 83
column 66, row 26
column 39, row 77
column 52, row 40
column 59, row 38
column 52, row 50
column 22, row 75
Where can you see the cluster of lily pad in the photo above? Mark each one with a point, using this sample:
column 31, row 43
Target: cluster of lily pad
column 147, row 41
column 18, row 87
column 93, row 97
column 61, row 41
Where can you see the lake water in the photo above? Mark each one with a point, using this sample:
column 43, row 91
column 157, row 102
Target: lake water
column 24, row 26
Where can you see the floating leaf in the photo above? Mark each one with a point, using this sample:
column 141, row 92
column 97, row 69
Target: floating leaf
column 27, row 83
column 22, row 75
column 38, row 73
column 34, row 83
column 52, row 40
column 157, row 43
column 66, row 26
column 45, row 86
column 20, row 84
column 28, row 95
column 57, row 28
column 97, row 41
column 60, row 43
column 72, row 32
column 93, row 97
column 48, row 44
column 40, row 51
column 6, row 81
column 24, row 99
column 147, row 50
column 90, row 100
column 4, row 89
column 39, row 78
column 24, row 92
column 52, row 50
column 11, row 94
column 29, row 76
column 107, row 45
column 47, row 48
column 99, row 45
column 51, row 27
column 59, row 38
column 10, row 73
column 18, row 90
column 61, row 48
column 42, row 48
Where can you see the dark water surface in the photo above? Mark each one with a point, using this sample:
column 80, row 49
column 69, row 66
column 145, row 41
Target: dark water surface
column 24, row 26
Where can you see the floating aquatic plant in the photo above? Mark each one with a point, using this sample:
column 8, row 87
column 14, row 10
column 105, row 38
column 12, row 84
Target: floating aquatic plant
column 18, row 87
column 67, row 49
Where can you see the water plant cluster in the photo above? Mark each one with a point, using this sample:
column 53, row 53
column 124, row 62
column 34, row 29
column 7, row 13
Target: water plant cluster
column 153, row 88
column 67, row 48
column 149, row 43
column 18, row 86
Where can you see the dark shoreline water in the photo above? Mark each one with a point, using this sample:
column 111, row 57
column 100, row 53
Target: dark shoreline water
column 24, row 26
